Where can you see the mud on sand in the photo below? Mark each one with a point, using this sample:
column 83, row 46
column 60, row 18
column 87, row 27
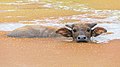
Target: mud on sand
column 51, row 52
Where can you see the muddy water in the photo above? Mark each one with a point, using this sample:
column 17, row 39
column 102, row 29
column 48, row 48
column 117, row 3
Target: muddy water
column 15, row 14
column 37, row 52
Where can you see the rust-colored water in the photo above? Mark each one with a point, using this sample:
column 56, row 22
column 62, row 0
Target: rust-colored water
column 36, row 52
column 50, row 52
column 103, row 4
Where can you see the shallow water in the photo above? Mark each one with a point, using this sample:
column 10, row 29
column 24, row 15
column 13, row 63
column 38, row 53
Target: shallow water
column 60, row 52
column 16, row 14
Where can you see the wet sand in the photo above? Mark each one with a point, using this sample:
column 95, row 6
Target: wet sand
column 52, row 52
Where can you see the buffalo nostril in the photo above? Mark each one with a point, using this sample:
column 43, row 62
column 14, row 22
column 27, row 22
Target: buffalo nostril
column 84, row 38
column 78, row 37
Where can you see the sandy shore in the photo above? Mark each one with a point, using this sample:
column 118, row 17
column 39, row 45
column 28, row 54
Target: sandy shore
column 51, row 52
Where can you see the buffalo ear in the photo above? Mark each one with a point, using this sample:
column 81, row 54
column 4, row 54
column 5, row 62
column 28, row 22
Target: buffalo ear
column 64, row 32
column 91, row 25
column 97, row 31
column 69, row 25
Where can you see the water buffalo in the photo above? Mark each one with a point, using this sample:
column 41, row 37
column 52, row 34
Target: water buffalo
column 80, row 32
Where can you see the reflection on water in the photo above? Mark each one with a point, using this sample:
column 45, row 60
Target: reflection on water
column 57, row 13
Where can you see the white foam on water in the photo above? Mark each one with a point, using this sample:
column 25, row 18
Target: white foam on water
column 10, row 26
column 48, row 5
column 7, row 10
column 13, row 26
column 14, row 17
column 67, row 6
column 111, row 27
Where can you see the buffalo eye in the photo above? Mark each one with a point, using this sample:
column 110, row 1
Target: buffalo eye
column 74, row 30
column 88, row 30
